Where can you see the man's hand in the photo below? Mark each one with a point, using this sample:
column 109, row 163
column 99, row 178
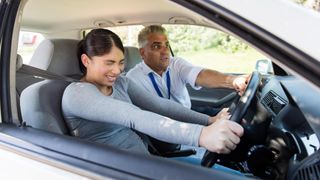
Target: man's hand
column 223, row 114
column 221, row 137
column 240, row 83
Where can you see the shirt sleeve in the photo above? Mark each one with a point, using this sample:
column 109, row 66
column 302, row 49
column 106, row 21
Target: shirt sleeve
column 84, row 100
column 187, row 72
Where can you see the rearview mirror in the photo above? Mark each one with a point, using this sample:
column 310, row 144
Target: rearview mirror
column 264, row 66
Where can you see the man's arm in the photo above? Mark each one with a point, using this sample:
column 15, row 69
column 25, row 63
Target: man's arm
column 214, row 79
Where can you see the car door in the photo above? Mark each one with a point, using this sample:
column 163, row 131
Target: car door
column 8, row 10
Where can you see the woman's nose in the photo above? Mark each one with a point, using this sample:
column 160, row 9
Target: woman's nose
column 117, row 69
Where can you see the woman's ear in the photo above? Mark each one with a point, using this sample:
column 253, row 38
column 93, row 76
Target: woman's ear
column 85, row 60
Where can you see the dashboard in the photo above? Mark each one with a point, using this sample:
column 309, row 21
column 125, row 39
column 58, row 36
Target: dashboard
column 293, row 104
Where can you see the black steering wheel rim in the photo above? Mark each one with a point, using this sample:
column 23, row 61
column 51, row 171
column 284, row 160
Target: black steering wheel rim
column 210, row 158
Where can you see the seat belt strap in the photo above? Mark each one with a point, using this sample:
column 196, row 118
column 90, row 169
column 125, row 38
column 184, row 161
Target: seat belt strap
column 42, row 74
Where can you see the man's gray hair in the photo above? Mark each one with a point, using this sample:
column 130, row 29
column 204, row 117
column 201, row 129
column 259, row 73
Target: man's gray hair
column 143, row 34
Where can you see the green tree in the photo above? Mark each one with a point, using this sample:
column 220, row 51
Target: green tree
column 186, row 38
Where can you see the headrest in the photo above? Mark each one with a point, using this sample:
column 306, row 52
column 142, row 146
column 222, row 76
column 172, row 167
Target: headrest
column 19, row 62
column 132, row 57
column 58, row 56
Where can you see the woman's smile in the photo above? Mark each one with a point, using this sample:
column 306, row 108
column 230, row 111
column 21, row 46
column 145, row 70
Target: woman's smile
column 111, row 78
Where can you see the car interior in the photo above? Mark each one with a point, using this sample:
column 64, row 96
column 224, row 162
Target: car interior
column 279, row 109
column 268, row 145
column 52, row 60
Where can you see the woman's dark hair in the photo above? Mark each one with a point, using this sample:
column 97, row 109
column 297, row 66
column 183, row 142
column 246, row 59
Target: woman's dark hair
column 97, row 43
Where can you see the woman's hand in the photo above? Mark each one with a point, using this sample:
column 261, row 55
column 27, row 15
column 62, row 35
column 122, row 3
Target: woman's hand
column 221, row 137
column 223, row 114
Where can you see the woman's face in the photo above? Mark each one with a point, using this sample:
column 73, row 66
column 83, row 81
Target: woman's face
column 104, row 70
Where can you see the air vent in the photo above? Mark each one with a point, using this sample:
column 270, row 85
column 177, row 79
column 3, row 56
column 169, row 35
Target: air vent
column 273, row 102
column 311, row 172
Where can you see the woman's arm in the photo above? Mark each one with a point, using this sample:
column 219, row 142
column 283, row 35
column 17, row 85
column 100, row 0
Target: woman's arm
column 145, row 100
column 84, row 100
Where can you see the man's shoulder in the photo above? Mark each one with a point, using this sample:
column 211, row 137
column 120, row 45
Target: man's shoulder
column 135, row 71
column 178, row 63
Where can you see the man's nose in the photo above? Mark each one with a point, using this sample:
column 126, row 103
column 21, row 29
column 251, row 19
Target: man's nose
column 165, row 49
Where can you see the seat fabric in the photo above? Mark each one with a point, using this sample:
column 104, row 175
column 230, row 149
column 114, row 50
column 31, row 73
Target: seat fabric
column 132, row 57
column 41, row 106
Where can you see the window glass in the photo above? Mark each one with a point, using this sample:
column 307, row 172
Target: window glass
column 213, row 49
column 311, row 4
column 201, row 46
column 28, row 42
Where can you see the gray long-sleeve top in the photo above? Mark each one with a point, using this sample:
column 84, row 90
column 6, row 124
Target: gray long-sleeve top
column 108, row 119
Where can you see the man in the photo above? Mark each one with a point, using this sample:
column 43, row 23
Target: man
column 167, row 76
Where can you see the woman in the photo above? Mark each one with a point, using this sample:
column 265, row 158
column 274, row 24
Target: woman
column 105, row 106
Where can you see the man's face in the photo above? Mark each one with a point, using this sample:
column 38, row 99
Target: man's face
column 156, row 52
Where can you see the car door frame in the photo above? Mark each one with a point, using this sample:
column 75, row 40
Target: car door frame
column 72, row 154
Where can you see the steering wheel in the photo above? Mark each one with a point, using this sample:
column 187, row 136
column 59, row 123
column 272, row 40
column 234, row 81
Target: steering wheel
column 210, row 158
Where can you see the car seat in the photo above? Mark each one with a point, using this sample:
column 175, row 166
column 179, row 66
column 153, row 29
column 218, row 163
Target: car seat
column 132, row 57
column 40, row 102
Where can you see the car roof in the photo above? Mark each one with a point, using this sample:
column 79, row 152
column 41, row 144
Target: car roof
column 49, row 16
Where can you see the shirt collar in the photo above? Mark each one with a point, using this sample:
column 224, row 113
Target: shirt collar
column 146, row 69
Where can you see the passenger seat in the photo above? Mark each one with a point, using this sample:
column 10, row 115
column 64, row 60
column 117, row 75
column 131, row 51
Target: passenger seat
column 58, row 56
column 41, row 102
column 132, row 57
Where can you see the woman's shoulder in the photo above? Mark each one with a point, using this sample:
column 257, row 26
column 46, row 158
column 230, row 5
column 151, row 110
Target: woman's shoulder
column 81, row 85
column 79, row 88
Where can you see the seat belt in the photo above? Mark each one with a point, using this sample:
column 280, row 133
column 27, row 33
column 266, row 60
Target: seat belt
column 43, row 74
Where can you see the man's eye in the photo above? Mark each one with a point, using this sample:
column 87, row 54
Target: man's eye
column 156, row 46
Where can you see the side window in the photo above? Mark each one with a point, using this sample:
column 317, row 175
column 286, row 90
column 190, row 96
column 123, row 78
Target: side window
column 201, row 46
column 28, row 42
column 213, row 49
